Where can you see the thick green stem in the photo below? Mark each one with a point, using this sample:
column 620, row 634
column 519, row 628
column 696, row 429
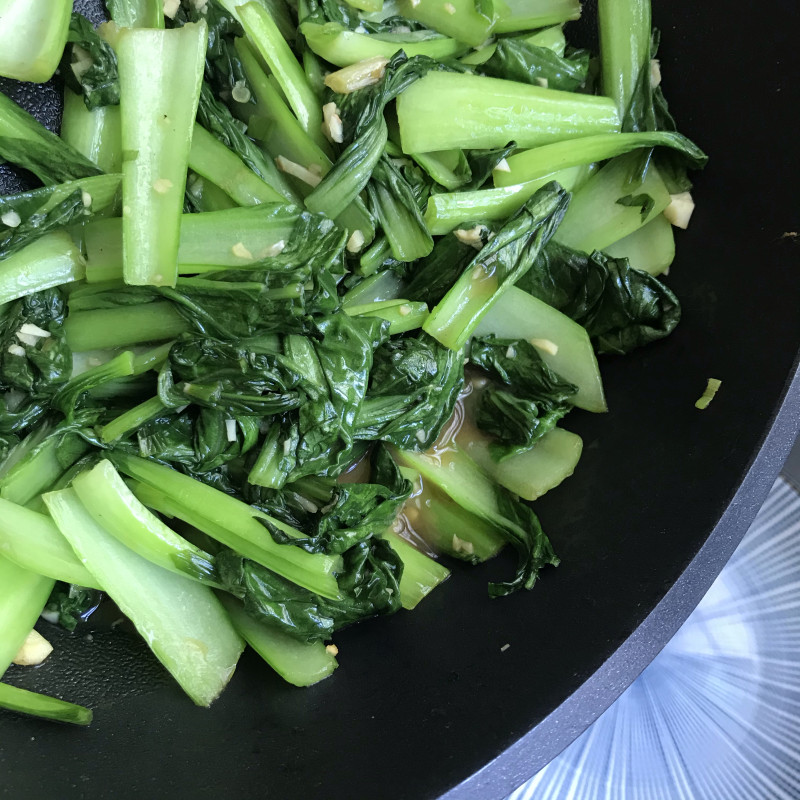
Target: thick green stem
column 384, row 285
column 96, row 134
column 299, row 663
column 460, row 19
column 41, row 705
column 532, row 164
column 651, row 248
column 33, row 542
column 51, row 260
column 160, row 73
column 625, row 31
column 182, row 621
column 449, row 109
column 131, row 419
column 233, row 523
column 421, row 575
column 265, row 35
column 124, row 326
column 115, row 508
column 402, row 315
column 21, row 601
column 137, row 13
column 32, row 38
column 526, row 15
column 211, row 159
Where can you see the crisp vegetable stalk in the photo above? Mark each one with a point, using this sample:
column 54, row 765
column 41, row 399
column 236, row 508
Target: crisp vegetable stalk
column 299, row 663
column 115, row 508
column 523, row 15
column 40, row 705
column 96, row 134
column 33, row 542
column 449, row 109
column 137, row 13
column 625, row 30
column 24, row 594
column 32, row 38
column 421, row 575
column 650, row 248
column 460, row 19
column 160, row 74
column 182, row 621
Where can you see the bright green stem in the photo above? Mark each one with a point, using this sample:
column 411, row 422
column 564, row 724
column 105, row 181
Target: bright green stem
column 273, row 123
column 651, row 248
column 532, row 164
column 421, row 575
column 130, row 420
column 51, row 260
column 265, row 35
column 32, row 541
column 211, row 159
column 124, row 326
column 96, row 134
column 207, row 196
column 625, row 31
column 449, row 168
column 519, row 315
column 181, row 620
column 22, row 599
column 53, row 160
column 343, row 47
column 137, row 13
column 103, row 190
column 266, row 470
column 32, row 38
column 384, row 285
column 526, row 15
column 116, row 509
column 595, row 219
column 402, row 315
column 34, row 704
column 447, row 211
column 160, row 73
column 41, row 468
column 449, row 109
column 375, row 256
column 233, row 523
column 459, row 19
column 487, row 277
column 299, row 663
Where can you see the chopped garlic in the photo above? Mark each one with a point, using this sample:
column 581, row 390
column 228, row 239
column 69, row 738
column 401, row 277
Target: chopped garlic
column 332, row 123
column 543, row 82
column 34, row 650
column 680, row 209
column 504, row 647
column 162, row 185
column 312, row 508
column 298, row 170
column 230, row 429
column 472, row 237
column 545, row 344
column 26, row 338
column 240, row 93
column 511, row 352
column 449, row 8
column 655, row 72
column 404, row 310
column 201, row 5
column 461, row 546
column 171, row 8
column 356, row 242
column 34, row 330
column 287, row 446
column 421, row 435
column 11, row 219
column 414, row 3
column 357, row 76
column 332, row 649
column 502, row 166
column 240, row 251
column 16, row 350
column 86, row 198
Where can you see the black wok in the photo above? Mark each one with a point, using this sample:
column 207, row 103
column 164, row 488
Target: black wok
column 425, row 703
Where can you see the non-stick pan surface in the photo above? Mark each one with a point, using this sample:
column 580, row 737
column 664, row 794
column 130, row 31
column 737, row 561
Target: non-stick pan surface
column 424, row 701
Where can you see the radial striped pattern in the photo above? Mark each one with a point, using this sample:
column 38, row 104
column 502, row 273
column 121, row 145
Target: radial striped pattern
column 717, row 715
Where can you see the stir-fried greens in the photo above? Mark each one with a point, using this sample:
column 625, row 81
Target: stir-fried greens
column 301, row 304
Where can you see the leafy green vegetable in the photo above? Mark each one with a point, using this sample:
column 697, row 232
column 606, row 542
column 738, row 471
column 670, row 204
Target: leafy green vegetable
column 620, row 307
column 93, row 71
column 519, row 60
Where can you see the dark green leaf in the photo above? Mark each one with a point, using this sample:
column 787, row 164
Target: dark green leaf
column 92, row 70
column 70, row 605
column 518, row 60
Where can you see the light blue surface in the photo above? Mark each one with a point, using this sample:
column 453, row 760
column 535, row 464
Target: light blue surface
column 717, row 715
